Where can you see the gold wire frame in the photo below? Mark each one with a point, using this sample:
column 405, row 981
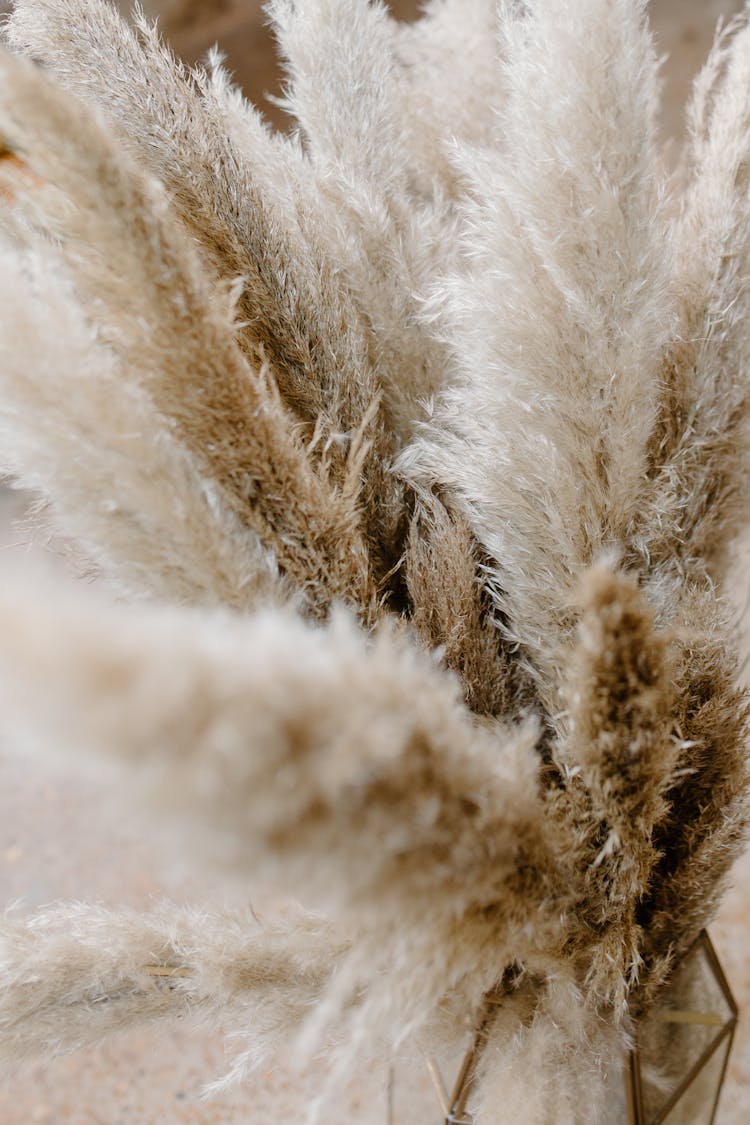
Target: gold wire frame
column 723, row 1039
column 454, row 1102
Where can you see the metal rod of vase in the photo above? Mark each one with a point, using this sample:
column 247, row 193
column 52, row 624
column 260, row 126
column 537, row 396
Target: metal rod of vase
column 390, row 1095
column 440, row 1088
column 465, row 1081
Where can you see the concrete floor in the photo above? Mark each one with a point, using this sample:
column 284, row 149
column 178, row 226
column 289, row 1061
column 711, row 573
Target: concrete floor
column 56, row 843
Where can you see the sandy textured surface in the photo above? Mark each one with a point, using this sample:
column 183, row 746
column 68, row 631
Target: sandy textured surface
column 56, row 842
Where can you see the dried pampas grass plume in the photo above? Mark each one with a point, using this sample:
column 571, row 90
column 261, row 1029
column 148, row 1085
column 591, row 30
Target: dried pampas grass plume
column 420, row 438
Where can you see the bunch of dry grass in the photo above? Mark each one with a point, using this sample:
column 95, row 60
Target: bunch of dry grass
column 424, row 430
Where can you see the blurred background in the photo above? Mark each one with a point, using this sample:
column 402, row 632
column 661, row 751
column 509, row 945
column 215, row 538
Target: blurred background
column 59, row 841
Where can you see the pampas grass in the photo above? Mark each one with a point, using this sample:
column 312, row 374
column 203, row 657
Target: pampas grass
column 419, row 436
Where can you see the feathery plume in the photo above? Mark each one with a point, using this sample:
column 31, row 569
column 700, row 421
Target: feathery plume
column 699, row 451
column 247, row 207
column 71, row 975
column 76, row 431
column 568, row 272
column 156, row 310
column 449, row 69
column 277, row 682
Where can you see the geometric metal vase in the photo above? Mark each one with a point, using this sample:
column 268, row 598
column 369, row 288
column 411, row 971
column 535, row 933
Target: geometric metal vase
column 675, row 1072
